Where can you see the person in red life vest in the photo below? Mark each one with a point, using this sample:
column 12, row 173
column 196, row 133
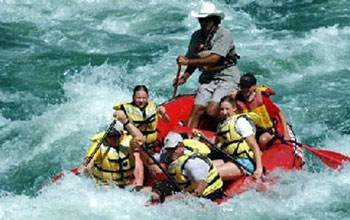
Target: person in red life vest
column 253, row 98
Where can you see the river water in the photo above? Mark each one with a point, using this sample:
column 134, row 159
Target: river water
column 64, row 64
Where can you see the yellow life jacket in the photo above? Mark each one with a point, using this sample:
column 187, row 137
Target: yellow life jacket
column 231, row 141
column 213, row 179
column 265, row 120
column 112, row 164
column 197, row 147
column 145, row 120
column 258, row 106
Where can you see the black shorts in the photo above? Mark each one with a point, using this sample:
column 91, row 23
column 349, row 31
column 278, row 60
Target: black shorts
column 218, row 194
column 260, row 131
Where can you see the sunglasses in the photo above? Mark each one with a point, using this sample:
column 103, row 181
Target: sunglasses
column 172, row 149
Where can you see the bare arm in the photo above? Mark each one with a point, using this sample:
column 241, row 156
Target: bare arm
column 138, row 139
column 134, row 131
column 182, row 79
column 251, row 141
column 86, row 169
column 163, row 115
column 210, row 60
column 201, row 185
column 285, row 126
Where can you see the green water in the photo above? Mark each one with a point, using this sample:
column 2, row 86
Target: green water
column 63, row 65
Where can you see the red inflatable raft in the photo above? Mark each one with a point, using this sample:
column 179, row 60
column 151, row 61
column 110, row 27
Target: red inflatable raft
column 278, row 156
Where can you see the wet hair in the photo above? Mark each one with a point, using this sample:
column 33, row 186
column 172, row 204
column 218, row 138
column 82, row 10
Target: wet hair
column 228, row 99
column 247, row 80
column 164, row 188
column 140, row 88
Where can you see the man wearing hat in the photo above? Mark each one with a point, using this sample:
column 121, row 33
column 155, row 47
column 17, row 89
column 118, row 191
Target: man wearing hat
column 195, row 174
column 255, row 98
column 212, row 50
column 115, row 161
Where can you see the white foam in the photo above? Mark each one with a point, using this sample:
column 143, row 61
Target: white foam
column 90, row 92
column 3, row 120
column 91, row 95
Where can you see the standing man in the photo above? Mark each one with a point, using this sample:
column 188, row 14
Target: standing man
column 212, row 50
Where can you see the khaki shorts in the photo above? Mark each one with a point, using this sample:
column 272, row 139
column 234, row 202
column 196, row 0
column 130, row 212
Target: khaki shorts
column 213, row 91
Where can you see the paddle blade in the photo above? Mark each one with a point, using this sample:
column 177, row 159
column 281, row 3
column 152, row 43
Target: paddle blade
column 332, row 159
column 60, row 175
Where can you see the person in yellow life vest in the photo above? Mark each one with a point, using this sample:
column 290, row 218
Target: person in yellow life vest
column 194, row 174
column 255, row 98
column 115, row 160
column 144, row 113
column 191, row 145
column 236, row 136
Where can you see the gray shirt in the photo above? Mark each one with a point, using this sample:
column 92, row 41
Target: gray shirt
column 221, row 43
column 196, row 169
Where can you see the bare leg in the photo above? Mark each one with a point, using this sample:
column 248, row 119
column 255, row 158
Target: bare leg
column 229, row 171
column 264, row 139
column 218, row 163
column 196, row 113
column 212, row 109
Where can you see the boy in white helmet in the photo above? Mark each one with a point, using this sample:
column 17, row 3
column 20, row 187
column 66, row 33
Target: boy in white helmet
column 114, row 159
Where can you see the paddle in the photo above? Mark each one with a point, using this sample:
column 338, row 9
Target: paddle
column 171, row 179
column 177, row 80
column 88, row 159
column 213, row 146
column 76, row 170
column 332, row 159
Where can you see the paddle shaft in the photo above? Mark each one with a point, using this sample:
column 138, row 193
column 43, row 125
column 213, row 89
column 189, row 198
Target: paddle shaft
column 88, row 159
column 172, row 180
column 206, row 140
column 177, row 80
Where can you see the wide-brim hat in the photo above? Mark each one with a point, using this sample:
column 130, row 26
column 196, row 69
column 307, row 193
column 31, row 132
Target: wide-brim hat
column 208, row 9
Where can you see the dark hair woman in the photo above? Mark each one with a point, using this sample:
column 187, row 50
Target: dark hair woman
column 144, row 113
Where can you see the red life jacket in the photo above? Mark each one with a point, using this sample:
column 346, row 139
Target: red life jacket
column 258, row 106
